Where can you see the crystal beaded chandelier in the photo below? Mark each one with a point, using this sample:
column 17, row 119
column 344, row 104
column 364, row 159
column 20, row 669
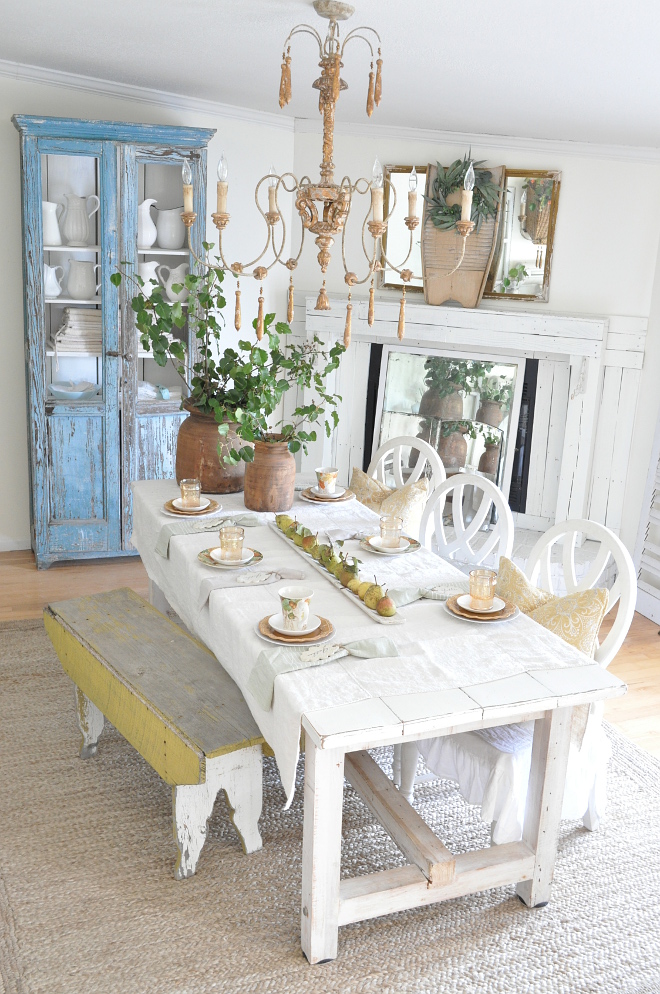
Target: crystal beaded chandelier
column 325, row 205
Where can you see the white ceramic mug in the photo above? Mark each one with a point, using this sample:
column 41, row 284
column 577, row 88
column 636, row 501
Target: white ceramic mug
column 177, row 275
column 147, row 272
column 295, row 607
column 52, row 285
column 50, row 220
column 171, row 229
column 81, row 283
column 326, row 479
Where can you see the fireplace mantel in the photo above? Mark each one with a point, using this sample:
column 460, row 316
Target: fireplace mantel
column 589, row 373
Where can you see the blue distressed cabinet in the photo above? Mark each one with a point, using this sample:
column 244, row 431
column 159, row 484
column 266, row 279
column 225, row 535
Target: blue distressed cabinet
column 79, row 328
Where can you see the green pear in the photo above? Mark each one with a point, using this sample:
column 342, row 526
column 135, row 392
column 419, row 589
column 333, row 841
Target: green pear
column 316, row 552
column 346, row 576
column 386, row 607
column 283, row 521
column 373, row 595
column 326, row 553
column 354, row 584
column 309, row 543
column 291, row 530
column 298, row 539
column 362, row 589
column 336, row 568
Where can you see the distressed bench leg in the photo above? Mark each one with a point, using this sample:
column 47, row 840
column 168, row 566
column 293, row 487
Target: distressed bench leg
column 545, row 794
column 239, row 774
column 157, row 598
column 91, row 721
column 324, row 785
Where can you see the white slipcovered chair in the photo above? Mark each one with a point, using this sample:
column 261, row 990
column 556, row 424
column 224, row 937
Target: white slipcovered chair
column 492, row 766
column 392, row 458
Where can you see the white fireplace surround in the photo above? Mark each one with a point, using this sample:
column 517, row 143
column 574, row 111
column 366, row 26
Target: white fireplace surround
column 588, row 381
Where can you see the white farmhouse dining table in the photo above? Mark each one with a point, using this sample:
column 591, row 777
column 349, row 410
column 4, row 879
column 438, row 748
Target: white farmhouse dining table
column 449, row 676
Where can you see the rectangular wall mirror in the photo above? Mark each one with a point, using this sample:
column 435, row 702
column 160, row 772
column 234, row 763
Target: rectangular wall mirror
column 523, row 254
column 396, row 241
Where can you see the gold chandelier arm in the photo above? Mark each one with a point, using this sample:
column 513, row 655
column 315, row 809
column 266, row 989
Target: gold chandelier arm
column 243, row 266
column 297, row 258
column 398, row 268
column 354, row 187
column 355, row 281
column 355, row 33
column 306, row 29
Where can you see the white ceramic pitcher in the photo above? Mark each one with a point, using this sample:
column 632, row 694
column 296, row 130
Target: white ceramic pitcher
column 147, row 272
column 52, row 233
column 52, row 285
column 171, row 229
column 81, row 284
column 147, row 232
column 177, row 275
column 75, row 220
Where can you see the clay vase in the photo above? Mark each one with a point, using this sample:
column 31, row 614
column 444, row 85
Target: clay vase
column 490, row 459
column 269, row 480
column 452, row 449
column 490, row 413
column 450, row 408
column 197, row 454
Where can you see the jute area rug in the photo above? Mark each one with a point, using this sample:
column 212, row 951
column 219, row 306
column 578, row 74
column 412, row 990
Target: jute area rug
column 88, row 903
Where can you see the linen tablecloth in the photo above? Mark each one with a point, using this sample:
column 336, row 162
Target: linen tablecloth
column 437, row 651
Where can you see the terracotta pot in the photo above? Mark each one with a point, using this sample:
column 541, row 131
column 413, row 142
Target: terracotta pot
column 452, row 449
column 197, row 454
column 490, row 459
column 450, row 407
column 490, row 413
column 269, row 480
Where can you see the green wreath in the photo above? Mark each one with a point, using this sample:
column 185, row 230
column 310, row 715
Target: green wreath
column 484, row 201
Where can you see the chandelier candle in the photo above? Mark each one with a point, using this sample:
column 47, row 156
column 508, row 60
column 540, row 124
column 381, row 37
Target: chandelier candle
column 412, row 194
column 377, row 192
column 222, row 185
column 186, row 175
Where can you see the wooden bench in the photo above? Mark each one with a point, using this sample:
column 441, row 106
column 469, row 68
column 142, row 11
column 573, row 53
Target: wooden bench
column 171, row 699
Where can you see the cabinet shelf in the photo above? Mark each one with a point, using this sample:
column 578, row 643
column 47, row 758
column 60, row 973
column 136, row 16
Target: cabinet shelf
column 162, row 251
column 72, row 248
column 72, row 300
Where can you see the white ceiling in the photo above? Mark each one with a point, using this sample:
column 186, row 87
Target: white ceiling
column 582, row 70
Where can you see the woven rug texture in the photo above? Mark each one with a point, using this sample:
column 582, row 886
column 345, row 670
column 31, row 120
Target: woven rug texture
column 89, row 904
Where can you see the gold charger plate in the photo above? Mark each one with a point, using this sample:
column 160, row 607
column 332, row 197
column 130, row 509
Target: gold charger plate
column 212, row 507
column 326, row 630
column 314, row 499
column 413, row 547
column 205, row 557
column 508, row 611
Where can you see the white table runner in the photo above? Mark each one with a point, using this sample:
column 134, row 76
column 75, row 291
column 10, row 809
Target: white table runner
column 443, row 652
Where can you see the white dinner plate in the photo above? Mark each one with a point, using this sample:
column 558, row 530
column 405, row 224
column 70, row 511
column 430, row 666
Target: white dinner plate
column 375, row 541
column 339, row 492
column 481, row 621
column 465, row 601
column 245, row 558
column 203, row 502
column 277, row 623
column 180, row 516
column 293, row 642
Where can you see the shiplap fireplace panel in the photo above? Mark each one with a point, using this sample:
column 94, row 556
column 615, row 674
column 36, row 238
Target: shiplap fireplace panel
column 588, row 380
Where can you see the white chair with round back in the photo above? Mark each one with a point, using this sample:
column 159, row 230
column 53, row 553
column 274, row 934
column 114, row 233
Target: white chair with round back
column 464, row 541
column 393, row 457
column 497, row 779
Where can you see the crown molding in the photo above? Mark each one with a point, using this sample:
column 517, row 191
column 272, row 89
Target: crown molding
column 547, row 146
column 145, row 95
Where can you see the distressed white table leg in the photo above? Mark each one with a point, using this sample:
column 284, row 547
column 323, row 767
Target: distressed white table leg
column 409, row 757
column 396, row 766
column 239, row 774
column 91, row 721
column 243, row 786
column 591, row 817
column 324, row 786
column 157, row 598
column 545, row 794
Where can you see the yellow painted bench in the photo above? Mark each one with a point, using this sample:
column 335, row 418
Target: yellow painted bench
column 171, row 699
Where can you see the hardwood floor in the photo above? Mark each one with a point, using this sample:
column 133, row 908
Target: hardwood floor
column 24, row 590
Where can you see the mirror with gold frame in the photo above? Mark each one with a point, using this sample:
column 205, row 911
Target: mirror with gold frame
column 523, row 255
column 396, row 240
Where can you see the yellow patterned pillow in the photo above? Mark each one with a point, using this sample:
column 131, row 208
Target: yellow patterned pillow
column 513, row 585
column 408, row 502
column 575, row 618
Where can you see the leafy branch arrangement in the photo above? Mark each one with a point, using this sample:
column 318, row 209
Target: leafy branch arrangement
column 445, row 376
column 484, row 201
column 472, row 429
column 539, row 194
column 242, row 388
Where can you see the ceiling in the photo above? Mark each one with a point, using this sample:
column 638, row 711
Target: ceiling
column 578, row 70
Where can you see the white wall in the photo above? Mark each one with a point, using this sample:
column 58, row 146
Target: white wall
column 606, row 245
column 250, row 146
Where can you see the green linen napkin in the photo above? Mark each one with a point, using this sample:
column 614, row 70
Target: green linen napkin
column 439, row 592
column 193, row 527
column 272, row 662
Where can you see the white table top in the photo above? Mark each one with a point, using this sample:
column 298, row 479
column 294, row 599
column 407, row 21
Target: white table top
column 496, row 668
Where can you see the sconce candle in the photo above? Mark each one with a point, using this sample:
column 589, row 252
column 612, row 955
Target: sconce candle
column 186, row 175
column 272, row 189
column 466, row 195
column 377, row 192
column 222, row 185
column 412, row 194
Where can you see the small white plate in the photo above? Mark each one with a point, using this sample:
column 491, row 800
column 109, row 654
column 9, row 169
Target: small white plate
column 485, row 620
column 245, row 558
column 277, row 623
column 203, row 502
column 375, row 542
column 465, row 601
column 339, row 492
